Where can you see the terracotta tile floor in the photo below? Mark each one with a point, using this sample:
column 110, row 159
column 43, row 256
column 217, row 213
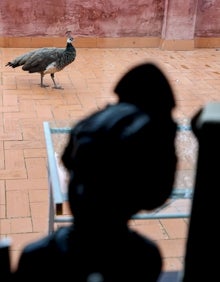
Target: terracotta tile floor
column 88, row 83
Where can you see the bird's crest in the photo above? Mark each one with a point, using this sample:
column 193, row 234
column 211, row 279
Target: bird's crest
column 69, row 36
column 68, row 33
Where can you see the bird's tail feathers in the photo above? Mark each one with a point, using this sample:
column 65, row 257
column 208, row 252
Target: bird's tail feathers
column 11, row 64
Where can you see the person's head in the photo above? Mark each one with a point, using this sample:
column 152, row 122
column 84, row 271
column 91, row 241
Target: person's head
column 122, row 160
column 146, row 86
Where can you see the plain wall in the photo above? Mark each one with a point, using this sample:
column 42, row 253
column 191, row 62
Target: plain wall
column 166, row 20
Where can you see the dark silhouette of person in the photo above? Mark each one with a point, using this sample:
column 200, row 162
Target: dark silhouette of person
column 121, row 160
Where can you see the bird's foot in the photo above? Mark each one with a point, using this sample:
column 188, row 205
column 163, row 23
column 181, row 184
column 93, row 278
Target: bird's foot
column 44, row 85
column 58, row 87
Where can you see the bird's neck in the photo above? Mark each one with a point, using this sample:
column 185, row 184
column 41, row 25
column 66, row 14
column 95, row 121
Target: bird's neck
column 69, row 47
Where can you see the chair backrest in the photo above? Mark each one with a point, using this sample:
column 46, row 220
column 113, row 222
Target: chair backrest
column 5, row 266
column 203, row 238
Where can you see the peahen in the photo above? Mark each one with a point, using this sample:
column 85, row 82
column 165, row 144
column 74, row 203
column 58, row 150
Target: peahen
column 48, row 60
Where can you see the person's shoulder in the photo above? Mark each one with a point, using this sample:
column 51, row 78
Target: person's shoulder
column 56, row 240
column 144, row 248
column 111, row 116
column 122, row 108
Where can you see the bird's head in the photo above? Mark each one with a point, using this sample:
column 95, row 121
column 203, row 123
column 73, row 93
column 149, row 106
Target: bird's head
column 69, row 39
column 69, row 36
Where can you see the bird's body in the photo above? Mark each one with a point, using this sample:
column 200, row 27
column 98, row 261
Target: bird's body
column 48, row 60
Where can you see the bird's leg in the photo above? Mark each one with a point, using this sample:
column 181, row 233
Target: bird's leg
column 54, row 82
column 41, row 80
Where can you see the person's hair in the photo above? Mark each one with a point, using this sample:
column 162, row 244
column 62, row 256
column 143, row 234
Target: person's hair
column 146, row 86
